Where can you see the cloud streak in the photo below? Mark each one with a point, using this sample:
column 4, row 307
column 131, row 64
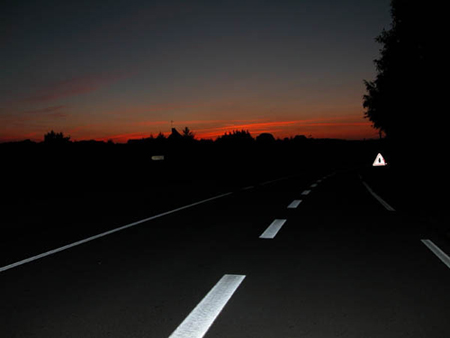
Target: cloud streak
column 46, row 110
column 32, row 117
column 71, row 87
column 211, row 129
column 288, row 128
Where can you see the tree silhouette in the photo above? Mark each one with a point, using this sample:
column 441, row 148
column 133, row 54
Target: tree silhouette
column 401, row 101
column 56, row 138
column 265, row 138
column 236, row 136
column 187, row 133
column 161, row 136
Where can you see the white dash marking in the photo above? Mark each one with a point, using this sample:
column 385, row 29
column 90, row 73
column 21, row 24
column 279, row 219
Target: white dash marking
column 202, row 317
column 313, row 185
column 437, row 251
column 294, row 204
column 248, row 188
column 273, row 229
column 306, row 192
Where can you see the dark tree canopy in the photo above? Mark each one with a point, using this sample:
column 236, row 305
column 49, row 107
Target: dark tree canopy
column 55, row 138
column 187, row 133
column 265, row 138
column 402, row 100
column 236, row 136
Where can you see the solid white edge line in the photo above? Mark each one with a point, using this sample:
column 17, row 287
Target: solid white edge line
column 437, row 251
column 378, row 198
column 273, row 229
column 106, row 233
column 198, row 322
column 294, row 204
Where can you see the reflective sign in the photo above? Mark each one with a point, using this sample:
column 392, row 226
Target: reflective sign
column 379, row 161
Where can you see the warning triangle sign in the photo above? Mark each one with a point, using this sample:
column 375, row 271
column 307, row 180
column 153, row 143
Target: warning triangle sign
column 379, row 161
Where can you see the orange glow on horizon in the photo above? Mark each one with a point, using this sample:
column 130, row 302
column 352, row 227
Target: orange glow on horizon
column 345, row 127
column 282, row 129
column 123, row 138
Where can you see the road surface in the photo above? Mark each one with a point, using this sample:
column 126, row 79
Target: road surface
column 336, row 263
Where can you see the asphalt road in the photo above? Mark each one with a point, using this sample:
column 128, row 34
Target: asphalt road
column 341, row 265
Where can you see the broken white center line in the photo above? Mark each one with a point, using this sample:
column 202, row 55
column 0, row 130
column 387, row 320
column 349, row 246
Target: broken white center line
column 294, row 204
column 198, row 322
column 306, row 192
column 273, row 229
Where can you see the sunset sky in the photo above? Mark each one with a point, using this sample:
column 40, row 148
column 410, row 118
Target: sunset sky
column 125, row 69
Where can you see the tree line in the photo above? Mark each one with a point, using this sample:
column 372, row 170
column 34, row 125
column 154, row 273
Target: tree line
column 186, row 135
column 404, row 101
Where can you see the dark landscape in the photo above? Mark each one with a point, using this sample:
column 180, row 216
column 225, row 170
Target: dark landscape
column 94, row 186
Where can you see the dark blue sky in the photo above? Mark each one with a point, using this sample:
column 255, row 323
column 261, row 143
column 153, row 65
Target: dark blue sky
column 123, row 69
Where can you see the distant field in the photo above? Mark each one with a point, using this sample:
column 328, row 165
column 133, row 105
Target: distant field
column 39, row 170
